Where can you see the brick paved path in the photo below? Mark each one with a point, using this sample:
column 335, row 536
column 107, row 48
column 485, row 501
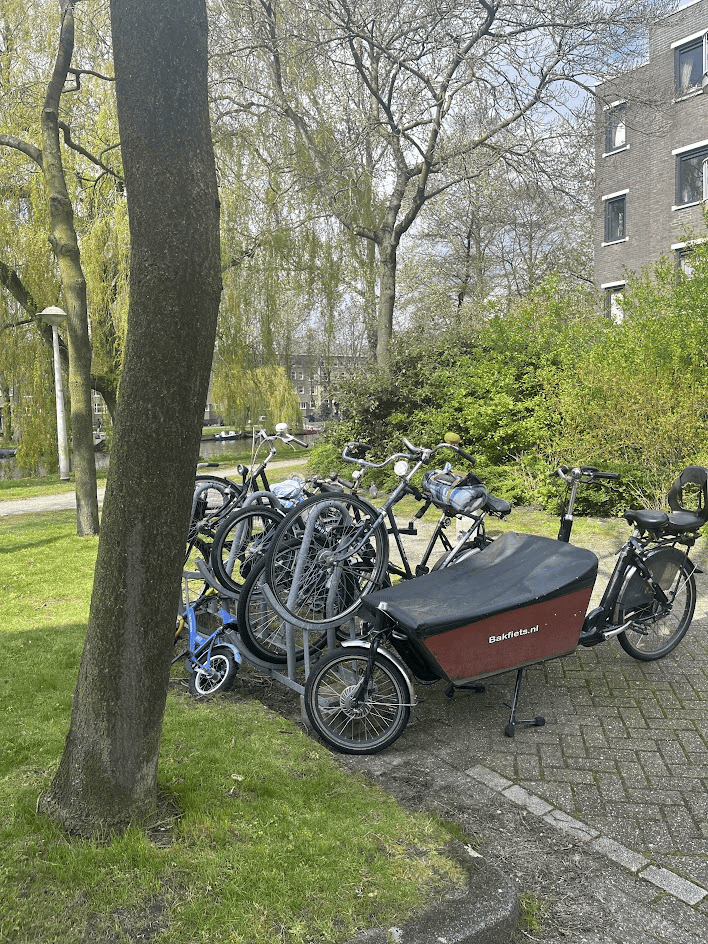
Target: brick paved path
column 621, row 768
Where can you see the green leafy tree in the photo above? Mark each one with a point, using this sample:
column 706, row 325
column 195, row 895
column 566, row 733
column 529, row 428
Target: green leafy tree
column 41, row 132
column 639, row 397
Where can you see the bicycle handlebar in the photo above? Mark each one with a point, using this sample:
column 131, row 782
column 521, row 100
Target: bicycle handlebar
column 587, row 473
column 415, row 453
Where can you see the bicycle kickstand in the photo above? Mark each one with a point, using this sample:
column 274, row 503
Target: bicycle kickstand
column 537, row 722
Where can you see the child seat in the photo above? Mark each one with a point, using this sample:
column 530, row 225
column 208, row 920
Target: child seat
column 689, row 489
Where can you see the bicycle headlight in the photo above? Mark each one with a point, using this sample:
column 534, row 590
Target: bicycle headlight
column 401, row 468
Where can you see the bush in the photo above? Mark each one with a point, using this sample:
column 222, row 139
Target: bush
column 551, row 383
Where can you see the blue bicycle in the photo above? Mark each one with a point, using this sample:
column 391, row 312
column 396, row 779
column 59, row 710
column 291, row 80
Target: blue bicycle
column 210, row 659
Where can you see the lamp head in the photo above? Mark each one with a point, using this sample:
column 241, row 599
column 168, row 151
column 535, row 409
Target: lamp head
column 53, row 316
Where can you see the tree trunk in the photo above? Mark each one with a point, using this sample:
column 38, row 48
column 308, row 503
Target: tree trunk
column 387, row 301
column 107, row 775
column 66, row 249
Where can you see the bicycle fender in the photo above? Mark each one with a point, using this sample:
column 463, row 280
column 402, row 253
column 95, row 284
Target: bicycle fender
column 387, row 656
column 238, row 658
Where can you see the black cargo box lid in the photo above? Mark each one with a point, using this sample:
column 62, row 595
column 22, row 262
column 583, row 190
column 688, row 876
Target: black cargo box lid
column 514, row 571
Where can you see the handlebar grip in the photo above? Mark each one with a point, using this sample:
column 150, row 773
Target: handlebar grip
column 412, row 490
column 466, row 455
column 597, row 474
column 356, row 447
column 299, row 442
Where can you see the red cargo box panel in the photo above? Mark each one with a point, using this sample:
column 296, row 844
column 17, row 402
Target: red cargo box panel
column 521, row 600
column 511, row 640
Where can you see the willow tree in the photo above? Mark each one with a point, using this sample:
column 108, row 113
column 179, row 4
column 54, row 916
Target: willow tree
column 379, row 96
column 47, row 157
column 107, row 776
column 288, row 272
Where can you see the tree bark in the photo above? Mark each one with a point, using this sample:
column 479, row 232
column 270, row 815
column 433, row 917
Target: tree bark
column 107, row 775
column 66, row 249
column 387, row 301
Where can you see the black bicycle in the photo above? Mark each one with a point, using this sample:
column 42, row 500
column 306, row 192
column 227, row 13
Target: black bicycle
column 216, row 499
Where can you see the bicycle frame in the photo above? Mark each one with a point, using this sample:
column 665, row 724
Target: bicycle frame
column 385, row 514
column 199, row 645
column 599, row 624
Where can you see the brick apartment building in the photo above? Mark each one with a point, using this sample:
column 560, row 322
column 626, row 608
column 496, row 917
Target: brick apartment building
column 651, row 159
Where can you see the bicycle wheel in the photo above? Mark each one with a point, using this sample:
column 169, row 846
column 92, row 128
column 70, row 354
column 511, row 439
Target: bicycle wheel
column 657, row 628
column 350, row 714
column 340, row 556
column 220, row 678
column 196, row 562
column 262, row 629
column 241, row 542
column 213, row 496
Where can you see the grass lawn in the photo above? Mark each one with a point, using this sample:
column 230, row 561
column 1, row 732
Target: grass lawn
column 262, row 837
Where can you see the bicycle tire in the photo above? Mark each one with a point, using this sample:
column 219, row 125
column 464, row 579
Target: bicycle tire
column 468, row 549
column 366, row 727
column 312, row 585
column 225, row 667
column 241, row 542
column 262, row 629
column 657, row 628
column 213, row 498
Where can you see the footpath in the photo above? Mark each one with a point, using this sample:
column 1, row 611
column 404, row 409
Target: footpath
column 65, row 501
column 597, row 821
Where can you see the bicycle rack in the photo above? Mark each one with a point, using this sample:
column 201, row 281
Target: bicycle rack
column 296, row 671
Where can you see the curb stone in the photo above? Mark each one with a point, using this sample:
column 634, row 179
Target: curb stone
column 670, row 882
column 485, row 913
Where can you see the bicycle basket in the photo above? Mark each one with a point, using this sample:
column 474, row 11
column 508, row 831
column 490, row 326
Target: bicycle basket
column 445, row 492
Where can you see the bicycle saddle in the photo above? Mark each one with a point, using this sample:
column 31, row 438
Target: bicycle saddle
column 497, row 506
column 646, row 519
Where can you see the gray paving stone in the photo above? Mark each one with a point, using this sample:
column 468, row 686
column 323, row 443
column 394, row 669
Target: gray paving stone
column 620, row 854
column 674, row 884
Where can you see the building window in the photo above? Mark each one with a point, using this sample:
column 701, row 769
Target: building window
column 615, row 218
column 690, row 65
column 683, row 262
column 303, row 404
column 692, row 176
column 616, row 127
column 613, row 301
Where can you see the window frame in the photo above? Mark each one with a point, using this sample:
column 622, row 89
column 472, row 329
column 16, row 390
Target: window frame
column 615, row 109
column 698, row 41
column 610, row 200
column 683, row 156
column 614, row 296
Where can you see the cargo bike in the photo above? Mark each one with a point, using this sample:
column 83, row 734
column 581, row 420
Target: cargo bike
column 520, row 601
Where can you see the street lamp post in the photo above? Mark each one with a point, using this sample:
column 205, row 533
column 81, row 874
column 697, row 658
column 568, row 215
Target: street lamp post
column 56, row 317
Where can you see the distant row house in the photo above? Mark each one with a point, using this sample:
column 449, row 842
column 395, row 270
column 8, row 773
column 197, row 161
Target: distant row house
column 651, row 157
column 315, row 380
